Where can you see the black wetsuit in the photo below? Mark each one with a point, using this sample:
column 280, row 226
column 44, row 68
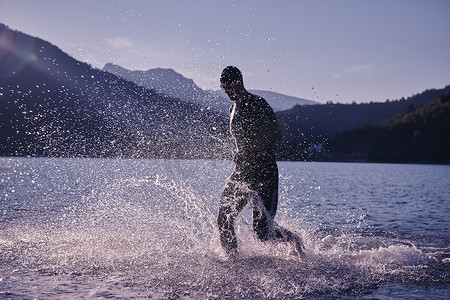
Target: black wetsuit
column 252, row 122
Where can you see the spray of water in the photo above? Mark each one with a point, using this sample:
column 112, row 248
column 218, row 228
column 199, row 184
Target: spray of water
column 140, row 228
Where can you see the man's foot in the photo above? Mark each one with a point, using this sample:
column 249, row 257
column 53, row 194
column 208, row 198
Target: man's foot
column 299, row 247
column 297, row 242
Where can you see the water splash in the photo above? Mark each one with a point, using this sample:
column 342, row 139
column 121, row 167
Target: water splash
column 134, row 228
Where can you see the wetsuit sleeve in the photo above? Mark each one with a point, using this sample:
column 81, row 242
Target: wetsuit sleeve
column 271, row 132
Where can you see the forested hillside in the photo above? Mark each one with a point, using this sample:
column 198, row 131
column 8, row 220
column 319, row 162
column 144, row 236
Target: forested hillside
column 418, row 135
column 309, row 129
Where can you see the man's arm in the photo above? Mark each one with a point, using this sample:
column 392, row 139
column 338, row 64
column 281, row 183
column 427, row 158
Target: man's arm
column 270, row 132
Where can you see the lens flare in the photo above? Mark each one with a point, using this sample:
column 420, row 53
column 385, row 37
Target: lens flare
column 15, row 54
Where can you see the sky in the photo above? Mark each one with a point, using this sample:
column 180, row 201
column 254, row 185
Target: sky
column 322, row 50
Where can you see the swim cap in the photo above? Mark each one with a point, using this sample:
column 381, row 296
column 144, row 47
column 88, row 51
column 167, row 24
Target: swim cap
column 230, row 75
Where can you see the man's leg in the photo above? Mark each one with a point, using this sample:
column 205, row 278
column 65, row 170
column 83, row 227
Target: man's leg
column 232, row 202
column 265, row 204
column 264, row 210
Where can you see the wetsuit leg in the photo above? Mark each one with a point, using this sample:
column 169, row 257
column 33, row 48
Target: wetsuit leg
column 232, row 202
column 268, row 193
column 263, row 222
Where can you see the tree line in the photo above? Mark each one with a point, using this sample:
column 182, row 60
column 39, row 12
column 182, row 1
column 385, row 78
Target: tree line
column 419, row 135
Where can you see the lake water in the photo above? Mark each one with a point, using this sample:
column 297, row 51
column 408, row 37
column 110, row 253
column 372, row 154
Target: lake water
column 140, row 229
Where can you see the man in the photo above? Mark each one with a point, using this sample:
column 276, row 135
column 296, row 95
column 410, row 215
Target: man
column 255, row 130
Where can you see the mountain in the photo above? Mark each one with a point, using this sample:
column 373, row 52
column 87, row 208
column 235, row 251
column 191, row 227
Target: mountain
column 169, row 82
column 281, row 102
column 418, row 135
column 306, row 126
column 327, row 119
column 277, row 101
column 54, row 105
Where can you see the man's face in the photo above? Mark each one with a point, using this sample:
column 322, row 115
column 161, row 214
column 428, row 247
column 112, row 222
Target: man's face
column 232, row 90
